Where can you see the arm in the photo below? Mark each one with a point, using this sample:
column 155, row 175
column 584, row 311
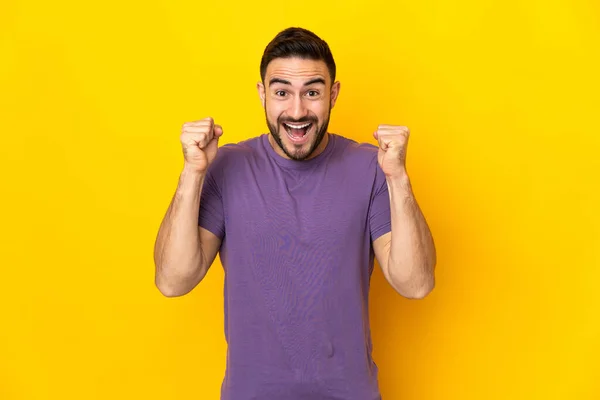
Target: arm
column 407, row 254
column 183, row 251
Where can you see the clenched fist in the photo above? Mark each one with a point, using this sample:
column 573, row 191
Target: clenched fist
column 393, row 141
column 199, row 140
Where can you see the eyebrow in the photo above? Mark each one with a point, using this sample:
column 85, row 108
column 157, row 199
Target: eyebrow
column 310, row 82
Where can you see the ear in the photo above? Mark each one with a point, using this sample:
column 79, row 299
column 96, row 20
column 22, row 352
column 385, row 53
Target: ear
column 335, row 91
column 261, row 92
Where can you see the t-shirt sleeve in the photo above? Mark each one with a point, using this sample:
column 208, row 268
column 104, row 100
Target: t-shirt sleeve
column 379, row 211
column 211, row 216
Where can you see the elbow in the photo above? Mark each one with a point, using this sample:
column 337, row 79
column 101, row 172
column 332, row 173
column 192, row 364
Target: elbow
column 421, row 291
column 168, row 291
column 416, row 289
column 177, row 279
column 168, row 288
column 424, row 285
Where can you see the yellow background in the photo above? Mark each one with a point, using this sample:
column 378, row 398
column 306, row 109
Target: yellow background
column 502, row 98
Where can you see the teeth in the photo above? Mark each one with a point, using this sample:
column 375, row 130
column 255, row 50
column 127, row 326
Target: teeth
column 298, row 126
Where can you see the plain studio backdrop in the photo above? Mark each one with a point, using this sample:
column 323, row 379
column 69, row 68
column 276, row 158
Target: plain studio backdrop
column 502, row 101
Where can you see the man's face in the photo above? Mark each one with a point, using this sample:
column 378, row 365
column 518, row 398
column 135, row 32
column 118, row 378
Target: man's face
column 298, row 96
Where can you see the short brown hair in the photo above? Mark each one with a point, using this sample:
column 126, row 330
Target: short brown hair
column 297, row 42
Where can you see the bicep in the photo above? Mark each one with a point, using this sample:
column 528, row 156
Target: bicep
column 210, row 245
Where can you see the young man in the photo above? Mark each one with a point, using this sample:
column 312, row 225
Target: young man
column 297, row 216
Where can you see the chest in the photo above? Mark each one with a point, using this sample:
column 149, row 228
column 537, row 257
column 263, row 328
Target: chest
column 287, row 211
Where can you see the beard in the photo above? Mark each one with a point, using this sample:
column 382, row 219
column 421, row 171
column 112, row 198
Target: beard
column 298, row 154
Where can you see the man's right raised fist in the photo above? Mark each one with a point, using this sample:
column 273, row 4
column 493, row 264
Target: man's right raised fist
column 199, row 140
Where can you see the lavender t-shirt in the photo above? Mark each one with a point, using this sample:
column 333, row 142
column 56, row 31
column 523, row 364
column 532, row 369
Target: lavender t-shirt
column 297, row 254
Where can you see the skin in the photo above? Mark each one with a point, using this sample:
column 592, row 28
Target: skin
column 407, row 254
column 298, row 90
column 294, row 90
column 184, row 251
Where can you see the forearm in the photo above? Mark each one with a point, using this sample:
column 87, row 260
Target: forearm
column 412, row 255
column 178, row 257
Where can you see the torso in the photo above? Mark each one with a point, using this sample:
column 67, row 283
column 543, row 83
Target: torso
column 298, row 258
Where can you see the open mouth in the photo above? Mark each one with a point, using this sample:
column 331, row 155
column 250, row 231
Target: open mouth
column 297, row 132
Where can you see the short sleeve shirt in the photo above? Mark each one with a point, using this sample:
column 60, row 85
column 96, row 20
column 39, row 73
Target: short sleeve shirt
column 297, row 254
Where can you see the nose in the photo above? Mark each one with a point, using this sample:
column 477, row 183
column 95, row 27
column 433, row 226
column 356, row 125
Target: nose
column 297, row 109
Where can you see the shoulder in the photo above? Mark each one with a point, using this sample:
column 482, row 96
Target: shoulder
column 231, row 155
column 359, row 161
column 353, row 147
column 242, row 148
column 353, row 152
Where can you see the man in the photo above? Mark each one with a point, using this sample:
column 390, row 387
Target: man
column 297, row 216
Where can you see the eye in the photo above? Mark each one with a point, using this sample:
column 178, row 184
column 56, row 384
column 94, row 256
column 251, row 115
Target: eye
column 280, row 93
column 312, row 93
